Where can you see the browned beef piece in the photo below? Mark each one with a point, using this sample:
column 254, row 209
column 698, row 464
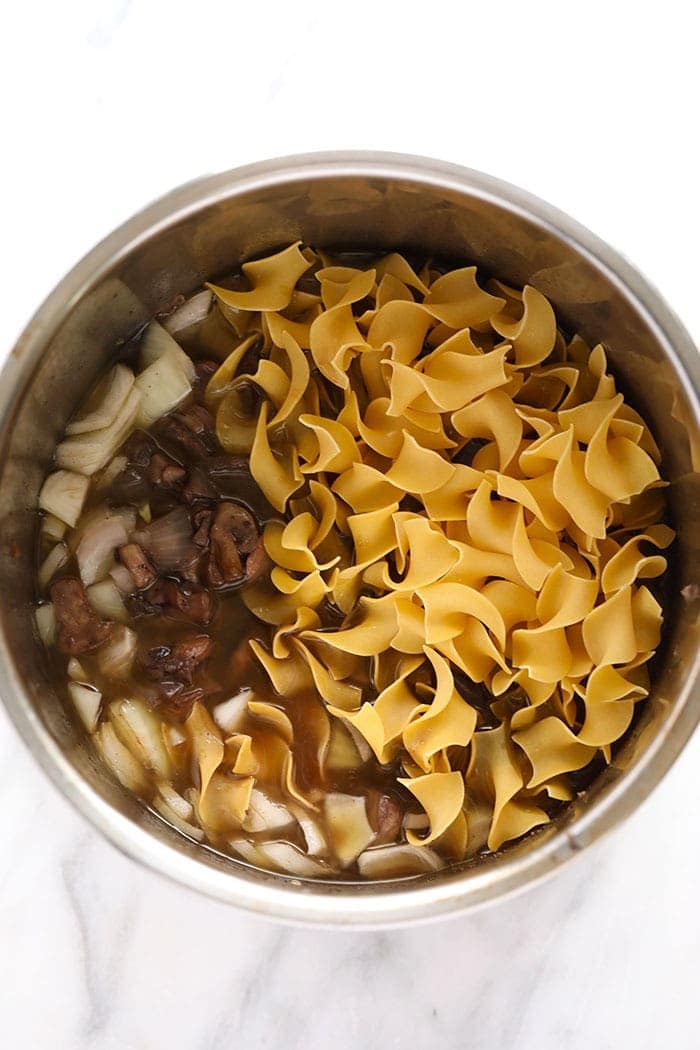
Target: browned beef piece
column 199, row 420
column 193, row 430
column 223, row 564
column 233, row 534
column 78, row 627
column 175, row 303
column 175, row 432
column 203, row 371
column 182, row 600
column 201, row 523
column 231, row 478
column 139, row 448
column 177, row 700
column 385, row 815
column 389, row 817
column 177, row 661
column 165, row 472
column 190, row 576
column 131, row 486
column 248, row 364
column 198, row 486
column 257, row 563
column 179, row 704
column 235, row 519
column 138, row 564
column 222, row 466
column 167, row 689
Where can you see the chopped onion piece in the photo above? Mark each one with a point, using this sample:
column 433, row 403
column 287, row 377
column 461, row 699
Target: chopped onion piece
column 349, row 829
column 192, row 311
column 395, row 862
column 230, row 714
column 361, row 744
column 416, row 821
column 95, row 551
column 45, row 618
column 163, row 386
column 193, row 797
column 105, row 599
column 290, row 860
column 265, row 815
column 52, row 527
column 342, row 752
column 103, row 406
column 145, row 513
column 125, row 582
column 315, row 839
column 109, row 473
column 176, row 753
column 480, row 817
column 53, row 561
column 157, row 344
column 177, row 803
column 183, row 826
column 139, row 730
column 169, row 539
column 248, row 851
column 116, row 656
column 63, row 494
column 76, row 671
column 176, row 736
column 87, row 453
column 87, row 702
column 101, row 514
column 119, row 759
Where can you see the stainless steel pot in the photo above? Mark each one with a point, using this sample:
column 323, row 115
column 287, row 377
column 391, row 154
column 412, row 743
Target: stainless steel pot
column 357, row 200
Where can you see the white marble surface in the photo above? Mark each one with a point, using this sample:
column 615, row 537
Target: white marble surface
column 106, row 105
column 98, row 953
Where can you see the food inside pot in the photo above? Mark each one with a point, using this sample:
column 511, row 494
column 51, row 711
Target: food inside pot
column 347, row 566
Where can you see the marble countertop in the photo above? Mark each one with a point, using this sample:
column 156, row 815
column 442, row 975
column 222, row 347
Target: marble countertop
column 108, row 103
column 98, row 953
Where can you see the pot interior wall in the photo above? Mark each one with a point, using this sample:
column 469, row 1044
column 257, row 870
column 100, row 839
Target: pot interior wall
column 336, row 212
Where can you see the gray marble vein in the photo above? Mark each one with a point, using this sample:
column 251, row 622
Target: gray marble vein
column 102, row 957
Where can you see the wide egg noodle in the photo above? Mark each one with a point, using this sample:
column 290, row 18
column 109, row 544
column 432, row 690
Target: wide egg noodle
column 495, row 776
column 441, row 795
column 456, row 299
column 448, row 720
column 272, row 281
column 334, row 337
column 223, row 800
column 533, row 335
column 473, row 495
column 277, row 475
column 447, row 384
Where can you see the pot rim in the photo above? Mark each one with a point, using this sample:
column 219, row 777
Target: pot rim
column 326, row 904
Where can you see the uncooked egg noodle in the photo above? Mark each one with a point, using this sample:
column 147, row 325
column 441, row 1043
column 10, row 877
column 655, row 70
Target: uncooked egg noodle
column 470, row 491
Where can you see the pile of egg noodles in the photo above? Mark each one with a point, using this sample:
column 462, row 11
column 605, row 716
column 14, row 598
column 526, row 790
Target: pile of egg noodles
column 470, row 491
